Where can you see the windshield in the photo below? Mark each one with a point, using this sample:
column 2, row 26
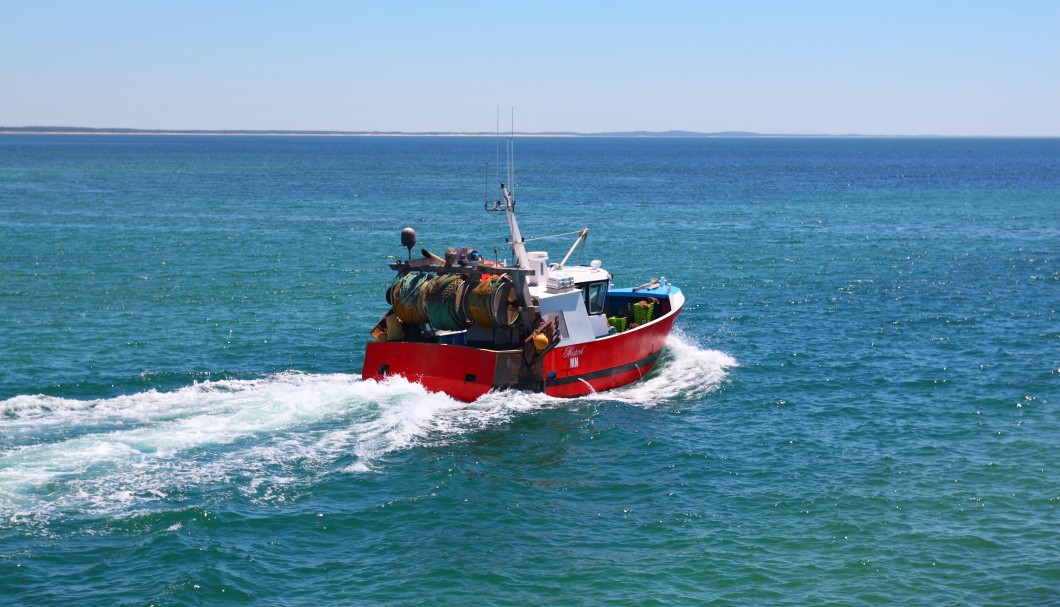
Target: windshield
column 595, row 296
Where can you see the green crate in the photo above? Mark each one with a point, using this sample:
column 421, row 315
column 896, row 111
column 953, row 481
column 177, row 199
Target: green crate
column 643, row 311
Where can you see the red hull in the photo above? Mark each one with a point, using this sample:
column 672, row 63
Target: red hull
column 461, row 372
column 608, row 362
column 466, row 373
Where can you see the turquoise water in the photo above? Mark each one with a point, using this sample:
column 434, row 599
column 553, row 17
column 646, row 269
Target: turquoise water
column 859, row 406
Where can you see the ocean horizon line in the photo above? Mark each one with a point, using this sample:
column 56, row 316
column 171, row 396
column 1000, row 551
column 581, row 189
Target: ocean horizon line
column 671, row 134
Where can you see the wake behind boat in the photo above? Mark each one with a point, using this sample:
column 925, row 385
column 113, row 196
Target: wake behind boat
column 465, row 326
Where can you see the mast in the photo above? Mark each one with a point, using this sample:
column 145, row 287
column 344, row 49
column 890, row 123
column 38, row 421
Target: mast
column 518, row 246
column 521, row 260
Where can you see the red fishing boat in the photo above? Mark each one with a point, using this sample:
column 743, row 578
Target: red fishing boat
column 464, row 326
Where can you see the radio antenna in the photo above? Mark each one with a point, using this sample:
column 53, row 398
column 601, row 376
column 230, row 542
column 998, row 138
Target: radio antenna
column 511, row 156
column 497, row 140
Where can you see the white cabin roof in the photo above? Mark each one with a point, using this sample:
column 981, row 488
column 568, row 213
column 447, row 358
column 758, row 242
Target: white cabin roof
column 583, row 274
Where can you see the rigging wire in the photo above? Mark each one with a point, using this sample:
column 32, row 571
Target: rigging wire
column 552, row 236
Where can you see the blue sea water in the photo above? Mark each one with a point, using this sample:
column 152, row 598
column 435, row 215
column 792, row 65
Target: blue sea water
column 860, row 404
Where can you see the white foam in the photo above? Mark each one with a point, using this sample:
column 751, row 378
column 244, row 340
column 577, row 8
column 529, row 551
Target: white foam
column 106, row 454
column 686, row 372
column 266, row 437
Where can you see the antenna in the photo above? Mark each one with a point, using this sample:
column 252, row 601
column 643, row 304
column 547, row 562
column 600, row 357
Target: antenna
column 511, row 156
column 497, row 140
column 508, row 192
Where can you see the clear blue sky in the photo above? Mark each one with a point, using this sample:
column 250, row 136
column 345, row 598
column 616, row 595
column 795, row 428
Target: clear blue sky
column 889, row 67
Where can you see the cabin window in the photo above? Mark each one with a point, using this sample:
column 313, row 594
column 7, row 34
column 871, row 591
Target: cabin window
column 595, row 295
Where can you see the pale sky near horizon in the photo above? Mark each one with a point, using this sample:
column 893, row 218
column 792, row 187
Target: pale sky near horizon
column 898, row 67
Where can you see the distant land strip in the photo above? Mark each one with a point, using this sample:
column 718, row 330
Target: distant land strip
column 77, row 130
